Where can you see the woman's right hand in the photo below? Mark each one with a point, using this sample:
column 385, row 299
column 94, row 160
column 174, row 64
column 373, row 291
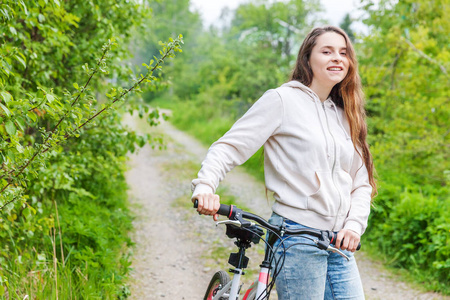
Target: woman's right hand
column 208, row 204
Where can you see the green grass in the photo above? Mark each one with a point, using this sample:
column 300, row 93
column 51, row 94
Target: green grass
column 181, row 169
column 417, row 280
column 78, row 249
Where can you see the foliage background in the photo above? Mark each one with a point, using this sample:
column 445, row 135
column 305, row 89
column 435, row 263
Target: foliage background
column 405, row 70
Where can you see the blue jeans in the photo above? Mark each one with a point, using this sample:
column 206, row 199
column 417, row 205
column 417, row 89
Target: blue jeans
column 310, row 273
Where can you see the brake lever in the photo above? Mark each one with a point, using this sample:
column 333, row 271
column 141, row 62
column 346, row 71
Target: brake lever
column 244, row 223
column 229, row 222
column 333, row 249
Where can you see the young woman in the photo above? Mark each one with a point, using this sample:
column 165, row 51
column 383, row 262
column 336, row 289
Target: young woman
column 316, row 162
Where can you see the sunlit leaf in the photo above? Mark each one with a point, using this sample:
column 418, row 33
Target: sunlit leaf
column 6, row 96
column 5, row 109
column 50, row 98
column 10, row 127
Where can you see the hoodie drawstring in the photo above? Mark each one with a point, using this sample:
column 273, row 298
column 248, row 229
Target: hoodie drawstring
column 340, row 122
column 321, row 125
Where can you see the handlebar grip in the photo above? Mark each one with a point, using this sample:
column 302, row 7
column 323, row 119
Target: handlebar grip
column 334, row 239
column 224, row 210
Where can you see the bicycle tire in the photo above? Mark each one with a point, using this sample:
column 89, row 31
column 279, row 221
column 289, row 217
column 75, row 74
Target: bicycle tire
column 219, row 280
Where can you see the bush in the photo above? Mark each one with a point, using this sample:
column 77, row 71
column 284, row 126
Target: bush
column 411, row 227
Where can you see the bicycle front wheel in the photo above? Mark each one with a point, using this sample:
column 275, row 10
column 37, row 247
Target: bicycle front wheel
column 218, row 281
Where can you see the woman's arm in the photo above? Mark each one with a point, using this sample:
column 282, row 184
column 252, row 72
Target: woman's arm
column 360, row 196
column 246, row 136
column 356, row 221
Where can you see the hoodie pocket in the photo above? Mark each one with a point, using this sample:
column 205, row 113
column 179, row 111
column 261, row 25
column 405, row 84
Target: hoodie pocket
column 344, row 182
column 325, row 200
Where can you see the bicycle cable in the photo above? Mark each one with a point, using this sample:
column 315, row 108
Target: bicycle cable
column 279, row 263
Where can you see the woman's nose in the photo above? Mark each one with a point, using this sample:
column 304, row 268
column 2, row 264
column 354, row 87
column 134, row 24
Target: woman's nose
column 336, row 57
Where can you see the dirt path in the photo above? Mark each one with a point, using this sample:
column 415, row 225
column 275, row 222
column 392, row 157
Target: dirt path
column 172, row 257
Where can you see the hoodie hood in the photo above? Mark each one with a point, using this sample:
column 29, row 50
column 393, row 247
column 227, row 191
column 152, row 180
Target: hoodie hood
column 315, row 98
column 301, row 86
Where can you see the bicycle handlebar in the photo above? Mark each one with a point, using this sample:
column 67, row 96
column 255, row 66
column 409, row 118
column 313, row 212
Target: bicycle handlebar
column 234, row 213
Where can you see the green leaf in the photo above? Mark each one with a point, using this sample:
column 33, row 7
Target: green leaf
column 10, row 128
column 32, row 116
column 50, row 98
column 19, row 59
column 5, row 13
column 19, row 148
column 13, row 30
column 6, row 96
column 24, row 7
column 75, row 85
column 5, row 109
column 21, row 123
column 28, row 212
column 3, row 160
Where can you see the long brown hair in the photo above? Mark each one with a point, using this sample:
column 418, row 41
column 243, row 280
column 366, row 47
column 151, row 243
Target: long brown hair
column 347, row 94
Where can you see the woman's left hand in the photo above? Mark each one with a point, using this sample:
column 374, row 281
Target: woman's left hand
column 350, row 240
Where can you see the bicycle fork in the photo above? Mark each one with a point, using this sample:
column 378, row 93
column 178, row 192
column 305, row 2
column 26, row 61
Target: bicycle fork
column 264, row 275
column 257, row 288
column 263, row 281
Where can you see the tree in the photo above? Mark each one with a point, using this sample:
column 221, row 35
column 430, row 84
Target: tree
column 346, row 26
column 170, row 17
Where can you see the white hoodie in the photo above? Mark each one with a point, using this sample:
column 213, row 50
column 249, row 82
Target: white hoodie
column 310, row 164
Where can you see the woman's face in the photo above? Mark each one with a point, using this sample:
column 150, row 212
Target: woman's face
column 328, row 60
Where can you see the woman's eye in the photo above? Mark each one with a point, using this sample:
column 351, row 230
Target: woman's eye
column 343, row 53
column 326, row 52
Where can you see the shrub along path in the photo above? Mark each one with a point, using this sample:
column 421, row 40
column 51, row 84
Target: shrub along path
column 173, row 256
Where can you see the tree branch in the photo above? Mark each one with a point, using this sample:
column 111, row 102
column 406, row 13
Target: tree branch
column 9, row 202
column 421, row 53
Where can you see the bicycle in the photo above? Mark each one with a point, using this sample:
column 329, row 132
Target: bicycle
column 246, row 233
